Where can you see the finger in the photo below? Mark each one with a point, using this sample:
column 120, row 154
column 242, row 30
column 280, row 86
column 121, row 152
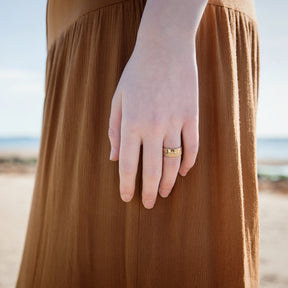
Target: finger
column 152, row 169
column 128, row 160
column 170, row 164
column 190, row 136
column 114, row 131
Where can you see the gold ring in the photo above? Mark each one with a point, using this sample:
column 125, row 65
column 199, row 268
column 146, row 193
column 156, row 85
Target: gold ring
column 172, row 152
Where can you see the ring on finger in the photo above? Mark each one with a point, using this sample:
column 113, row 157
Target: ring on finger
column 172, row 152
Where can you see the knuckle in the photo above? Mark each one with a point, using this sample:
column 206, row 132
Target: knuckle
column 155, row 118
column 166, row 186
column 155, row 123
column 175, row 121
column 111, row 132
column 132, row 127
column 152, row 174
column 130, row 118
column 191, row 115
column 192, row 148
column 188, row 164
column 126, row 169
column 155, row 128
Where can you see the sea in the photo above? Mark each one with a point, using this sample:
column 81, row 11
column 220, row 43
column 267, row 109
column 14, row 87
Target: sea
column 21, row 143
column 275, row 149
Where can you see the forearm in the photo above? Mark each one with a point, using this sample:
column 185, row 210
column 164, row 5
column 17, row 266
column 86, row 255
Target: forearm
column 171, row 19
column 156, row 100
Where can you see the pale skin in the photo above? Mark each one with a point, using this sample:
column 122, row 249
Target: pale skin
column 156, row 100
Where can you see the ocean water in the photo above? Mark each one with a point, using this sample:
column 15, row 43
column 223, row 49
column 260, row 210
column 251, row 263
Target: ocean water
column 267, row 149
column 21, row 143
column 272, row 149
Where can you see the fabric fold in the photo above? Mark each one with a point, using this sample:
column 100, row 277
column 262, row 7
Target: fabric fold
column 80, row 233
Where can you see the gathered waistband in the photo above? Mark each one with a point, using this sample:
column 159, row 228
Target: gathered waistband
column 62, row 13
column 244, row 6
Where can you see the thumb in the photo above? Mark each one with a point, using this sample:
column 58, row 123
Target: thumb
column 115, row 126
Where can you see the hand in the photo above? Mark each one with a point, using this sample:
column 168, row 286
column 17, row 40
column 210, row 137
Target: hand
column 156, row 99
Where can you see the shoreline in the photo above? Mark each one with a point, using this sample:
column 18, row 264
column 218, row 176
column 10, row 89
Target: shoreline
column 24, row 161
column 272, row 162
column 18, row 161
column 34, row 152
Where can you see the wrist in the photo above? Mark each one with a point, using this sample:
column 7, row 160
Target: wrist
column 153, row 40
column 170, row 20
column 166, row 34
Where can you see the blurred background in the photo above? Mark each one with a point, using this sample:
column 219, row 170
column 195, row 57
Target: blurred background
column 22, row 80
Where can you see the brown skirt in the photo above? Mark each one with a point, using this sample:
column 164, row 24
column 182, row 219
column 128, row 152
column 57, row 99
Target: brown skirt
column 205, row 234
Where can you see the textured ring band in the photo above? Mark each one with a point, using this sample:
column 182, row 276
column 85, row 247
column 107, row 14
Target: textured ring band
column 172, row 152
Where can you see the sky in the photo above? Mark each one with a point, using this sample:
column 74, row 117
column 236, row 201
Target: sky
column 23, row 60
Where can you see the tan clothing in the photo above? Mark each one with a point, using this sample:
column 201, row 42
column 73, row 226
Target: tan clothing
column 80, row 232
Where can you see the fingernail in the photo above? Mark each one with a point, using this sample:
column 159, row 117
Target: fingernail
column 164, row 193
column 183, row 173
column 149, row 204
column 125, row 197
column 112, row 153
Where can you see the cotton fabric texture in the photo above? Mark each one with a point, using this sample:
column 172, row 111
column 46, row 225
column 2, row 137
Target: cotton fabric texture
column 205, row 234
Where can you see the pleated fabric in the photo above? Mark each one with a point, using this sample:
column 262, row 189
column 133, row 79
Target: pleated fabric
column 205, row 234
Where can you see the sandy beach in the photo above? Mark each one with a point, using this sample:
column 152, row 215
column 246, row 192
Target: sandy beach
column 17, row 175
